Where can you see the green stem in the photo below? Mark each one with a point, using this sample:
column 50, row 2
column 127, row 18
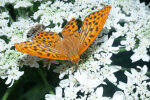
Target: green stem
column 125, row 69
column 148, row 73
column 122, row 50
column 5, row 96
column 45, row 81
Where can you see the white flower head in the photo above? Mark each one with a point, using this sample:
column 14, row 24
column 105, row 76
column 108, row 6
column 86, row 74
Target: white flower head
column 3, row 45
column 118, row 95
column 71, row 92
column 3, row 22
column 129, row 43
column 13, row 74
column 24, row 4
column 104, row 58
column 140, row 53
column 127, row 87
column 10, row 58
column 88, row 81
column 107, row 46
column 108, row 72
column 145, row 42
column 58, row 95
column 97, row 95
column 138, row 77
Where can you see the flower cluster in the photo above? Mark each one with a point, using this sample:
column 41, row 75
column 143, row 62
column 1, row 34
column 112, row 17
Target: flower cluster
column 18, row 3
column 126, row 30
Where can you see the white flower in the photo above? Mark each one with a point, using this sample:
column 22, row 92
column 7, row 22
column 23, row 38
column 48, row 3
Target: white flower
column 127, row 87
column 10, row 58
column 4, row 15
column 108, row 72
column 71, row 92
column 118, row 95
column 93, row 65
column 121, row 31
column 18, row 28
column 15, row 39
column 45, row 20
column 24, row 4
column 140, row 53
column 130, row 35
column 63, row 70
column 11, row 1
column 136, row 85
column 138, row 77
column 37, row 14
column 3, row 45
column 129, row 43
column 98, row 95
column 107, row 46
column 13, row 74
column 58, row 95
column 3, row 71
column 3, row 22
column 2, row 3
column 88, row 81
column 57, row 19
column 56, row 29
column 104, row 58
column 64, row 83
column 142, row 90
column 145, row 42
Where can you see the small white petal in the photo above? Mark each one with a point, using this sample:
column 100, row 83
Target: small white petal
column 58, row 92
column 145, row 57
column 118, row 95
column 99, row 91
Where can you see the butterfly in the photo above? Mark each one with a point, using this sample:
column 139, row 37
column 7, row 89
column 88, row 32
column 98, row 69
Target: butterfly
column 50, row 45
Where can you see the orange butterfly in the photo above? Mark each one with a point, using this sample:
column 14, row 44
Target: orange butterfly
column 74, row 43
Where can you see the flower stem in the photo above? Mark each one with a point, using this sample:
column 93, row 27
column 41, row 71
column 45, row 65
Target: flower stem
column 45, row 81
column 148, row 73
column 5, row 96
column 125, row 69
column 122, row 49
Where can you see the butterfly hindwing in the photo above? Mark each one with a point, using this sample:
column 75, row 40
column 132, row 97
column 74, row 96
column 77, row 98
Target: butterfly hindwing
column 70, row 29
column 71, row 35
column 91, row 27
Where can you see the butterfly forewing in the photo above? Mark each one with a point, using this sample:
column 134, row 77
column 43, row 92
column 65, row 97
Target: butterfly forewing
column 49, row 38
column 91, row 27
column 44, row 44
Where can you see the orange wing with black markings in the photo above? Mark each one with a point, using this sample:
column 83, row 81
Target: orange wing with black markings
column 44, row 44
column 71, row 36
column 92, row 25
